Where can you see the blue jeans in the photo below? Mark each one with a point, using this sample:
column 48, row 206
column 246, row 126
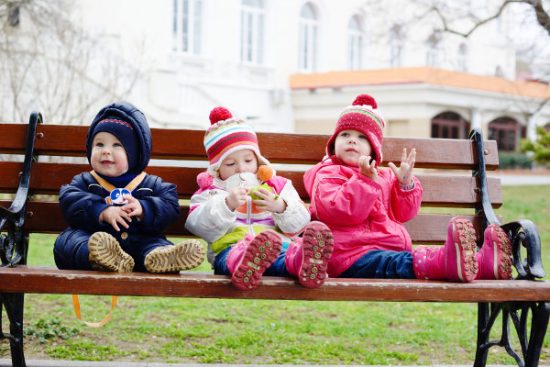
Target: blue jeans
column 382, row 264
column 277, row 269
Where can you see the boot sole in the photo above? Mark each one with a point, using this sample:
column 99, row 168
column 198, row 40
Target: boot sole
column 464, row 240
column 105, row 251
column 502, row 253
column 260, row 253
column 170, row 259
column 317, row 248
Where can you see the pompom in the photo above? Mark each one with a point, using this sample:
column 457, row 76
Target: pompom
column 204, row 180
column 219, row 114
column 265, row 173
column 365, row 100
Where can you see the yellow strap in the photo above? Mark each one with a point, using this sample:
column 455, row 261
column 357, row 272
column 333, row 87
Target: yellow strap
column 76, row 302
column 109, row 187
column 106, row 319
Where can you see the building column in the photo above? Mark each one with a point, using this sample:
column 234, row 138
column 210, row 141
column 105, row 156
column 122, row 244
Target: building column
column 532, row 127
column 476, row 119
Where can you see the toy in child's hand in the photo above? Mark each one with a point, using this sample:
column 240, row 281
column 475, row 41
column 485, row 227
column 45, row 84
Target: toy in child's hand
column 265, row 173
column 254, row 189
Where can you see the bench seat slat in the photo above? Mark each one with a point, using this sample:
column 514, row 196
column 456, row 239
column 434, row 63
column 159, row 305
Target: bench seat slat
column 68, row 140
column 202, row 285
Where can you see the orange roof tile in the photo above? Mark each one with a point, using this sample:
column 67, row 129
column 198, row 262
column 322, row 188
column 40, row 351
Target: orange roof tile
column 421, row 75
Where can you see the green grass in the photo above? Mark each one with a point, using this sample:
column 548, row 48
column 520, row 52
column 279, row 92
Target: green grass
column 257, row 331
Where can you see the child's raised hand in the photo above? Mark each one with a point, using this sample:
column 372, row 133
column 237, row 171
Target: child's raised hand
column 236, row 198
column 133, row 207
column 367, row 167
column 269, row 201
column 404, row 172
column 115, row 216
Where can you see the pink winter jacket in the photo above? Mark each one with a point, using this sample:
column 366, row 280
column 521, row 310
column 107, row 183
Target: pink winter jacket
column 363, row 215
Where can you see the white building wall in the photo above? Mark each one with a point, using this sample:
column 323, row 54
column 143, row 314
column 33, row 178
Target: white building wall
column 176, row 89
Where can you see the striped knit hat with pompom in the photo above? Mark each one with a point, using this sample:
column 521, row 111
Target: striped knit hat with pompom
column 228, row 135
column 363, row 116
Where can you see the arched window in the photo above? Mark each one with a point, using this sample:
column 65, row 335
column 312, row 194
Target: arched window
column 397, row 41
column 187, row 26
column 462, row 59
column 252, row 31
column 433, row 54
column 450, row 125
column 355, row 41
column 308, row 38
column 507, row 132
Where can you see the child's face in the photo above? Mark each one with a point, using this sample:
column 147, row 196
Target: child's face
column 239, row 162
column 108, row 155
column 350, row 145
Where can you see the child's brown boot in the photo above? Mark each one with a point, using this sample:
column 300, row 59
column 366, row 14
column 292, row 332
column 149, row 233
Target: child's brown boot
column 171, row 259
column 105, row 253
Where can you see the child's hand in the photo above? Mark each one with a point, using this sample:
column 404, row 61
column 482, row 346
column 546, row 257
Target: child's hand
column 404, row 172
column 114, row 215
column 133, row 207
column 367, row 167
column 269, row 201
column 236, row 198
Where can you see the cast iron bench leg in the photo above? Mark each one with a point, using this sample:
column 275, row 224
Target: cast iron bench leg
column 539, row 324
column 518, row 313
column 13, row 304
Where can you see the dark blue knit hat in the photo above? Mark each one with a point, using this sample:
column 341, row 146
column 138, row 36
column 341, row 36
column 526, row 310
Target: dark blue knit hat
column 125, row 133
column 136, row 140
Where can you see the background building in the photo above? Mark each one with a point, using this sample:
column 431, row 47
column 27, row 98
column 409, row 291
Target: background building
column 285, row 65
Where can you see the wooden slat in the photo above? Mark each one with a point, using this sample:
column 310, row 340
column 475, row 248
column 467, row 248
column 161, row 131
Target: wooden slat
column 200, row 285
column 439, row 190
column 67, row 140
column 46, row 217
column 13, row 138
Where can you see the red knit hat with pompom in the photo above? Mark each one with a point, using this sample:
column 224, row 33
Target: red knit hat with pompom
column 363, row 115
column 227, row 135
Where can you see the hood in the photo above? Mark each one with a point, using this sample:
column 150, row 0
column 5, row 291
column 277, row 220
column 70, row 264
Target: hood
column 131, row 114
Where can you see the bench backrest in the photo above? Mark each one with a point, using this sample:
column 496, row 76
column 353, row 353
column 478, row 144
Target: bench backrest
column 444, row 167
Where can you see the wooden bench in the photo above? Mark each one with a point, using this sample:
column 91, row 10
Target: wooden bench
column 524, row 300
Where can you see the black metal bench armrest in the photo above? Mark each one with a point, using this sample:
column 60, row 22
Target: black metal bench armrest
column 14, row 212
column 521, row 233
column 13, row 245
column 524, row 233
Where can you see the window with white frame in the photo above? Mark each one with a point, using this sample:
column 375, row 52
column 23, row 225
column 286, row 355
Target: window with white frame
column 397, row 41
column 187, row 26
column 433, row 53
column 355, row 42
column 308, row 38
column 462, row 59
column 252, row 31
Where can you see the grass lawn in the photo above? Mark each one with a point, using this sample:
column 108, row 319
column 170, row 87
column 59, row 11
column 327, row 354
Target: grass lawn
column 252, row 331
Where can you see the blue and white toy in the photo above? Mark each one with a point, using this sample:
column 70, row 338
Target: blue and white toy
column 116, row 197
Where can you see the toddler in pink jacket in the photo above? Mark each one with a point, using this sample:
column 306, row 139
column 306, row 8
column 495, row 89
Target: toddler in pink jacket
column 251, row 217
column 365, row 207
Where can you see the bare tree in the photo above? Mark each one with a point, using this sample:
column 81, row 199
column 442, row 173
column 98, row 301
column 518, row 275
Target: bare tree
column 528, row 13
column 49, row 63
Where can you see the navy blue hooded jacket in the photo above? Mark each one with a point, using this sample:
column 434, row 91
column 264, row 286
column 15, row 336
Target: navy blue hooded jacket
column 83, row 200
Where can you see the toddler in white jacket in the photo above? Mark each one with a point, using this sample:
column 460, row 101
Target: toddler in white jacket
column 250, row 217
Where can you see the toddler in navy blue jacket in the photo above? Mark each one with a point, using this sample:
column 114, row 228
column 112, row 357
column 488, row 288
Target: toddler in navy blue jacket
column 117, row 213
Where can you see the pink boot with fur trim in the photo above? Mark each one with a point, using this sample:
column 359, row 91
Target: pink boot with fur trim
column 248, row 262
column 495, row 256
column 455, row 260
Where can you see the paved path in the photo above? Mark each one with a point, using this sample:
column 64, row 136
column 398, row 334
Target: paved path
column 524, row 180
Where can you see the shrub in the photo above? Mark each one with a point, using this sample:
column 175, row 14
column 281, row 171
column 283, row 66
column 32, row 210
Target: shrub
column 511, row 160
